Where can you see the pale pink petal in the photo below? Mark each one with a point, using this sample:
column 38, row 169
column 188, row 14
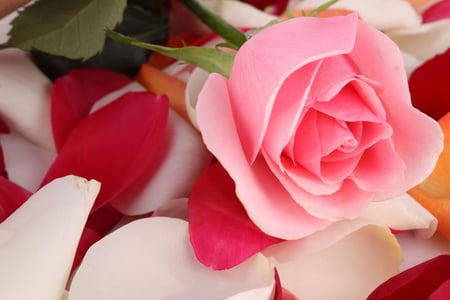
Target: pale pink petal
column 382, row 14
column 401, row 213
column 25, row 98
column 194, row 85
column 26, row 163
column 275, row 212
column 258, row 74
column 425, row 41
column 151, row 258
column 335, row 271
column 5, row 26
column 38, row 241
column 409, row 125
column 184, row 160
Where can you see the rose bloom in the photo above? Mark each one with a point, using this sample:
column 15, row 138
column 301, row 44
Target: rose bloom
column 314, row 123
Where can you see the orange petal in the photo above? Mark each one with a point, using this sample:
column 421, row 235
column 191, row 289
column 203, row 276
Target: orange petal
column 158, row 82
column 434, row 192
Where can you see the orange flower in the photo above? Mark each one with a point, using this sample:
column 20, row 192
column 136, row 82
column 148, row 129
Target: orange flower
column 434, row 192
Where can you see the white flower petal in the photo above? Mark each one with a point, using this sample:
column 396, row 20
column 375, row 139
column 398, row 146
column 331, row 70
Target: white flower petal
column 25, row 162
column 25, row 98
column 184, row 160
column 425, row 41
column 349, row 269
column 401, row 213
column 151, row 258
column 194, row 86
column 38, row 241
column 382, row 14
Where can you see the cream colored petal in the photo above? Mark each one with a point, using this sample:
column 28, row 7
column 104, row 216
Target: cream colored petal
column 194, row 86
column 348, row 269
column 38, row 241
column 26, row 163
column 152, row 259
column 401, row 213
column 25, row 98
column 423, row 42
column 382, row 14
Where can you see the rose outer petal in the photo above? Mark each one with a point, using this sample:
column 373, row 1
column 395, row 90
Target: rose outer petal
column 116, row 144
column 274, row 212
column 438, row 11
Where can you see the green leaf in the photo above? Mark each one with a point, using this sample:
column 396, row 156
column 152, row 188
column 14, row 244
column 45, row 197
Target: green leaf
column 70, row 28
column 209, row 59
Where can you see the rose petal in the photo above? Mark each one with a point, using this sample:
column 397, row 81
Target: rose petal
column 49, row 223
column 275, row 212
column 184, row 159
column 382, row 14
column 143, row 250
column 370, row 250
column 428, row 85
column 25, row 98
column 74, row 95
column 438, row 11
column 223, row 221
column 25, row 162
column 12, row 196
column 115, row 145
column 268, row 69
column 418, row 282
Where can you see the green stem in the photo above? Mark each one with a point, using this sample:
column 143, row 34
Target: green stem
column 216, row 23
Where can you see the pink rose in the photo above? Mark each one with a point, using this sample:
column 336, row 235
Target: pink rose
column 314, row 123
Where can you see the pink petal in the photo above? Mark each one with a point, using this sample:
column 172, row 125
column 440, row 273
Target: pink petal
column 409, row 125
column 428, row 85
column 116, row 144
column 438, row 11
column 268, row 69
column 12, row 196
column 74, row 95
column 221, row 233
column 267, row 203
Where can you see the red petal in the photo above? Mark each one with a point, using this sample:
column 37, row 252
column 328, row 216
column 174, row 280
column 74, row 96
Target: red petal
column 103, row 220
column 419, row 282
column 429, row 86
column 74, row 95
column 221, row 233
column 87, row 239
column 115, row 144
column 438, row 11
column 12, row 196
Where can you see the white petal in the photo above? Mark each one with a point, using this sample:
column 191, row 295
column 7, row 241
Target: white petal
column 382, row 14
column 401, row 213
column 38, row 241
column 417, row 249
column 425, row 41
column 25, row 98
column 152, row 259
column 349, row 269
column 25, row 162
column 174, row 208
column 5, row 26
column 194, row 86
column 185, row 158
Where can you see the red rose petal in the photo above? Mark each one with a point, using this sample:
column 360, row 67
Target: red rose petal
column 12, row 196
column 115, row 144
column 221, row 233
column 278, row 5
column 87, row 239
column 429, row 88
column 438, row 11
column 74, row 95
column 418, row 282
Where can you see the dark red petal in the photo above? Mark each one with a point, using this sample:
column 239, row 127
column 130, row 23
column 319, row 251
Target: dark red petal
column 12, row 196
column 278, row 5
column 418, row 282
column 87, row 239
column 115, row 144
column 438, row 11
column 429, row 86
column 73, row 96
column 103, row 220
column 221, row 233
